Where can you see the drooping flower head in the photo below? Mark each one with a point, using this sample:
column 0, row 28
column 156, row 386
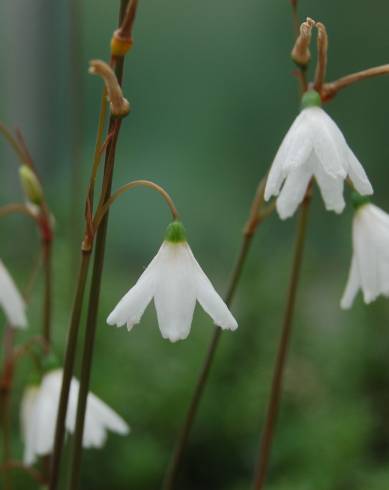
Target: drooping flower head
column 315, row 147
column 11, row 300
column 370, row 261
column 39, row 414
column 175, row 280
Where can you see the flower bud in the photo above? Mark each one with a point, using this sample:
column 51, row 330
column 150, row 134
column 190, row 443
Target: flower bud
column 31, row 185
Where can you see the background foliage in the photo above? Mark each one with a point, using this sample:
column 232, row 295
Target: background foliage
column 212, row 92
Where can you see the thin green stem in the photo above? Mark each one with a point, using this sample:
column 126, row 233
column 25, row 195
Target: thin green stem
column 279, row 368
column 48, row 294
column 99, row 142
column 77, row 307
column 91, row 322
column 132, row 185
column 68, row 371
column 90, row 333
column 17, row 208
column 13, row 142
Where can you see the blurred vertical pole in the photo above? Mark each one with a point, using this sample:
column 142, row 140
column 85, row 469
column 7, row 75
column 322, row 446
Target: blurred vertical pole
column 76, row 128
column 34, row 101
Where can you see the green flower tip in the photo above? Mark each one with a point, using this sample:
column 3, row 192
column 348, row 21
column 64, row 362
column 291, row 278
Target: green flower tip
column 31, row 185
column 357, row 200
column 50, row 362
column 311, row 98
column 175, row 232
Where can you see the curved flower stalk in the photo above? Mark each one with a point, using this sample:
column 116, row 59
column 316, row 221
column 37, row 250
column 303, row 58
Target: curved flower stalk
column 314, row 146
column 11, row 300
column 175, row 280
column 370, row 261
column 39, row 411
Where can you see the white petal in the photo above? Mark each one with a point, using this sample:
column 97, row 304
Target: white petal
column 132, row 306
column 211, row 301
column 11, row 300
column 366, row 257
column 175, row 295
column 328, row 142
column 293, row 152
column 100, row 418
column 358, row 175
column 27, row 413
column 293, row 191
column 46, row 415
column 351, row 287
column 331, row 189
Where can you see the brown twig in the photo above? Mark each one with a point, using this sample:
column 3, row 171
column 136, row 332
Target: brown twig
column 329, row 90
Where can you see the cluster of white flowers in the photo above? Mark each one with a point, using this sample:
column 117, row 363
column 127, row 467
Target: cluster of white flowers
column 39, row 413
column 314, row 147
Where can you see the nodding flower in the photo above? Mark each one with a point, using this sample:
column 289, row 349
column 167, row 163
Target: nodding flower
column 175, row 280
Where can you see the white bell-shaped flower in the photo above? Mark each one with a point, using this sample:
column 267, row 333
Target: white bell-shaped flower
column 11, row 300
column 39, row 414
column 315, row 147
column 175, row 280
column 370, row 262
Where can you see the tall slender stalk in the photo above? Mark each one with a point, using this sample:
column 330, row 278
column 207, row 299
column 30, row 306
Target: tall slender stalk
column 47, row 300
column 68, row 371
column 279, row 368
column 84, row 267
column 90, row 333
column 91, row 323
column 183, row 436
column 5, row 392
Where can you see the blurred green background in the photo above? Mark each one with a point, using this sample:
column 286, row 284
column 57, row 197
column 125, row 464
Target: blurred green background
column 212, row 92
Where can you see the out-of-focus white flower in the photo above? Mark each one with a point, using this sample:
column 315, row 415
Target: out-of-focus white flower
column 314, row 146
column 175, row 280
column 39, row 413
column 11, row 300
column 370, row 262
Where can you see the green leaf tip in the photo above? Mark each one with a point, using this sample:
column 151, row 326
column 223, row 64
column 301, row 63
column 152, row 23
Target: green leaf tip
column 175, row 232
column 311, row 98
column 357, row 200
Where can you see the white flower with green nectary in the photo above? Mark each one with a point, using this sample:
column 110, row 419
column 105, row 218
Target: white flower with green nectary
column 39, row 414
column 314, row 146
column 175, row 280
column 370, row 262
column 11, row 300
